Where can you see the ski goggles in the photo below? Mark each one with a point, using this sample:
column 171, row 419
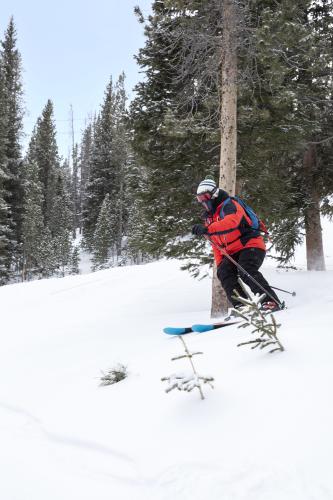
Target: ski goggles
column 204, row 197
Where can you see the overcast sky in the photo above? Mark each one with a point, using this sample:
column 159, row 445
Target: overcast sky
column 69, row 51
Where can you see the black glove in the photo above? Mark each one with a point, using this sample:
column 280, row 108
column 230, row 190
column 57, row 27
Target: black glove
column 199, row 230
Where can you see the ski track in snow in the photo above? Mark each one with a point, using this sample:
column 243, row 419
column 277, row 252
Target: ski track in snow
column 39, row 431
column 68, row 440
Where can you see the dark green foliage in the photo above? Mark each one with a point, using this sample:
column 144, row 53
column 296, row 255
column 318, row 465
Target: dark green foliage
column 33, row 224
column 5, row 233
column 12, row 109
column 48, row 209
column 288, row 110
column 176, row 145
column 284, row 108
column 75, row 261
column 10, row 154
column 5, row 241
column 44, row 151
column 102, row 173
column 103, row 236
column 107, row 161
column 75, row 190
column 84, row 163
column 61, row 222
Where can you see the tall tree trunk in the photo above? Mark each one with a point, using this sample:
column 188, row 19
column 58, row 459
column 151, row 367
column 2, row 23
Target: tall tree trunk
column 313, row 232
column 227, row 178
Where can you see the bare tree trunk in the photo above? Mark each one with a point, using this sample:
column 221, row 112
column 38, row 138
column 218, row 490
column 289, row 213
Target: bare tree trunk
column 313, row 232
column 227, row 180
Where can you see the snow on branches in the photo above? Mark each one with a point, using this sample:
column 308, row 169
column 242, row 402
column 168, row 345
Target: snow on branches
column 264, row 325
column 187, row 381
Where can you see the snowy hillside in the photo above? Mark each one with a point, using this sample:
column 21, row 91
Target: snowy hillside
column 263, row 433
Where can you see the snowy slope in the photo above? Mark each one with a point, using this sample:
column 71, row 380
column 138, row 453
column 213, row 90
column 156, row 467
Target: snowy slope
column 263, row 433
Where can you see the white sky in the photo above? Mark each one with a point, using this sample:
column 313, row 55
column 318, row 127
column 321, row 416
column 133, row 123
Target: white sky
column 69, row 50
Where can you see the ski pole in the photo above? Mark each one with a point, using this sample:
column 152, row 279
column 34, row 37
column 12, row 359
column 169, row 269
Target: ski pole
column 285, row 291
column 243, row 271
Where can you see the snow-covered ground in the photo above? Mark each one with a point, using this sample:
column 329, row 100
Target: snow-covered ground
column 263, row 433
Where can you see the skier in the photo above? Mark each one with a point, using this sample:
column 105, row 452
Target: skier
column 229, row 226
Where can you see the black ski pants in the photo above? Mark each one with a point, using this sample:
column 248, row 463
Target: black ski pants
column 250, row 259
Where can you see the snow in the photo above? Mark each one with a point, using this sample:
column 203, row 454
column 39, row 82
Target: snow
column 263, row 432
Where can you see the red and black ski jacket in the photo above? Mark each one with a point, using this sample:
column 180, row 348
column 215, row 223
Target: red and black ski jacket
column 230, row 227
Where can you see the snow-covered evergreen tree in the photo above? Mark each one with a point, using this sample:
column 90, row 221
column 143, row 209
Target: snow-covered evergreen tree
column 74, row 265
column 107, row 166
column 102, row 168
column 284, row 116
column 121, row 196
column 61, row 222
column 75, row 190
column 5, row 232
column 286, row 123
column 33, row 230
column 12, row 108
column 44, row 151
column 103, row 236
column 175, row 133
column 55, row 197
column 85, row 157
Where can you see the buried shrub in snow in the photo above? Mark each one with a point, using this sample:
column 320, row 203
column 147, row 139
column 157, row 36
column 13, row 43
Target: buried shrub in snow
column 114, row 375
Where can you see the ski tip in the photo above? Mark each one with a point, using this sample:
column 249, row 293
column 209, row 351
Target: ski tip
column 170, row 330
column 202, row 328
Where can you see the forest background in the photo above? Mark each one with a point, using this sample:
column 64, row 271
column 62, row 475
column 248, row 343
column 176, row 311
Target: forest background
column 128, row 187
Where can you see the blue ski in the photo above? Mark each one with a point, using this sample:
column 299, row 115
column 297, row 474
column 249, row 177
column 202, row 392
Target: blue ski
column 170, row 330
column 197, row 328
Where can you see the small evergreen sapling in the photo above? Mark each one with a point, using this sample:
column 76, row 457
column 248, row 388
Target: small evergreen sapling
column 264, row 325
column 113, row 375
column 184, row 381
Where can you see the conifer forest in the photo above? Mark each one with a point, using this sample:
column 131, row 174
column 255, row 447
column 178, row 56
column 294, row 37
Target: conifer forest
column 126, row 193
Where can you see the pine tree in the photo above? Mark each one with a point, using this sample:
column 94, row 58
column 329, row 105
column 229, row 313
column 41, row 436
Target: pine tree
column 121, row 195
column 286, row 125
column 85, row 158
column 75, row 261
column 61, row 221
column 172, row 146
column 44, row 151
column 13, row 109
column 56, row 190
column 75, row 190
column 108, row 163
column 5, row 234
column 284, row 115
column 49, row 262
column 102, row 167
column 103, row 236
column 33, row 230
column 5, row 231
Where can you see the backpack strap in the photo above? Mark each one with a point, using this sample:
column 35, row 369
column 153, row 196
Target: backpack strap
column 247, row 229
column 223, row 204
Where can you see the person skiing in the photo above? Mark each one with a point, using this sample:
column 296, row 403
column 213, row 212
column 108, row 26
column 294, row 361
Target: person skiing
column 229, row 227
